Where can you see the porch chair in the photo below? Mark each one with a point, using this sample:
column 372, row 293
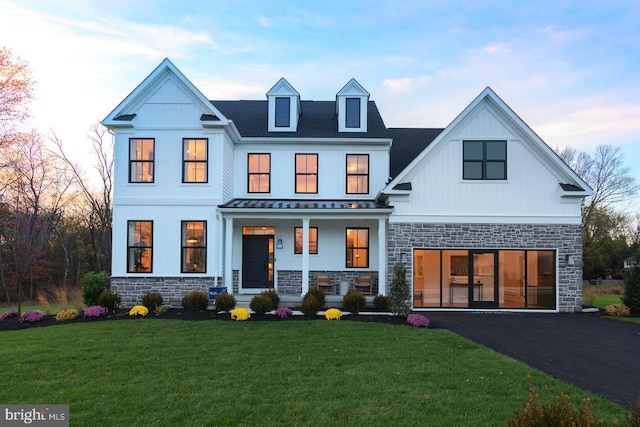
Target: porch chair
column 323, row 283
column 364, row 284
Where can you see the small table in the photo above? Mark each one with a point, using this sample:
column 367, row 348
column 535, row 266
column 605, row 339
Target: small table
column 477, row 286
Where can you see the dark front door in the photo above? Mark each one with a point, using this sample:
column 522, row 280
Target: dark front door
column 257, row 261
column 483, row 279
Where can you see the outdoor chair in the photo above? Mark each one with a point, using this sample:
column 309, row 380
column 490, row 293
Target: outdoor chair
column 364, row 284
column 323, row 283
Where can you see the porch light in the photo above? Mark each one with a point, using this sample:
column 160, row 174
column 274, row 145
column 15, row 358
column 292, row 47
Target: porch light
column 279, row 244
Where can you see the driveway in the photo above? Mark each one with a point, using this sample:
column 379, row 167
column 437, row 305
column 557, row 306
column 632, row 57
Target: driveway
column 595, row 354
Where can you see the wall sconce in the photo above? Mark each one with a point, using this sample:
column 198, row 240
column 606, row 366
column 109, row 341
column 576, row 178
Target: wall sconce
column 403, row 257
column 279, row 244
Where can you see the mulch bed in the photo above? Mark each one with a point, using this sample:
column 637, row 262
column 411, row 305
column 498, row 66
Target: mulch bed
column 181, row 314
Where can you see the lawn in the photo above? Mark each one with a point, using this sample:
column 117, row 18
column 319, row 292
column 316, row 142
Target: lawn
column 171, row 372
column 604, row 300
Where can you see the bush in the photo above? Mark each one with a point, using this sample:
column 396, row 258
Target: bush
column 9, row 315
column 418, row 321
column 333, row 314
column 94, row 311
column 152, row 300
column 195, row 301
column 320, row 296
column 617, row 310
column 109, row 301
column 283, row 312
column 66, row 315
column 631, row 297
column 589, row 299
column 139, row 310
column 92, row 286
column 225, row 302
column 381, row 302
column 274, row 297
column 353, row 301
column 310, row 304
column 261, row 304
column 240, row 314
column 31, row 316
column 399, row 292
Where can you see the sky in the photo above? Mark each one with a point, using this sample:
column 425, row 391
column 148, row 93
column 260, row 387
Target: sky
column 569, row 69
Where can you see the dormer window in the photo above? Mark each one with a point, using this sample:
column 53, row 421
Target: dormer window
column 351, row 107
column 284, row 107
column 283, row 112
column 352, row 111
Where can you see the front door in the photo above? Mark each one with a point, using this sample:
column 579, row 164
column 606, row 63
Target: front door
column 257, row 262
column 483, row 280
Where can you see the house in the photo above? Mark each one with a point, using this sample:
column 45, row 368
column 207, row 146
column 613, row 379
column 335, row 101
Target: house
column 270, row 194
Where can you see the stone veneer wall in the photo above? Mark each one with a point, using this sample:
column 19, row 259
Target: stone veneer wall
column 290, row 281
column 172, row 289
column 565, row 239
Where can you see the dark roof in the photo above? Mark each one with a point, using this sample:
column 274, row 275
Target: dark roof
column 125, row 117
column 571, row 187
column 407, row 144
column 303, row 204
column 317, row 120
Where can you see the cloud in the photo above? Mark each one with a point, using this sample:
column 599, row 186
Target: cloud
column 496, row 49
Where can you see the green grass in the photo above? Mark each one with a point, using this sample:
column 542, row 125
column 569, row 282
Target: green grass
column 624, row 319
column 293, row 373
column 604, row 300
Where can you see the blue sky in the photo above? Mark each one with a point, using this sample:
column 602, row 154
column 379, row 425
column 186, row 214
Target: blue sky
column 570, row 69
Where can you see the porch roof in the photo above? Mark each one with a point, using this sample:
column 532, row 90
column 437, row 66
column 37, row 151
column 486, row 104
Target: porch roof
column 297, row 204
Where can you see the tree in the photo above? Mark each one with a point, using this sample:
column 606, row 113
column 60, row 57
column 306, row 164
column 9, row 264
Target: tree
column 399, row 292
column 604, row 242
column 16, row 92
column 631, row 296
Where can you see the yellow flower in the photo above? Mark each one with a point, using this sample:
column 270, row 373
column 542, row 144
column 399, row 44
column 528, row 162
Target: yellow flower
column 66, row 315
column 139, row 310
column 333, row 313
column 240, row 314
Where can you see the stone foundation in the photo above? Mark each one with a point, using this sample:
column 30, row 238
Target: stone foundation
column 172, row 289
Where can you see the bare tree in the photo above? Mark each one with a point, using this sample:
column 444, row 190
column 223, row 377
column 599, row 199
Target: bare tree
column 16, row 87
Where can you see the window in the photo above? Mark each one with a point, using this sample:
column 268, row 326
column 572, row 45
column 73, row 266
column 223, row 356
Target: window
column 485, row 160
column 357, row 247
column 313, row 240
column 194, row 246
column 139, row 246
column 194, row 157
column 259, row 173
column 283, row 109
column 141, row 159
column 352, row 112
column 357, row 173
column 306, row 173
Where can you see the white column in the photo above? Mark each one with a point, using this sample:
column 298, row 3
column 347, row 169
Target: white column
column 305, row 255
column 382, row 256
column 228, row 251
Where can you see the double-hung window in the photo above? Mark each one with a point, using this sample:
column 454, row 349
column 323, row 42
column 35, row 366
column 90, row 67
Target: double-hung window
column 484, row 160
column 259, row 173
column 194, row 246
column 313, row 240
column 139, row 246
column 194, row 160
column 306, row 173
column 141, row 158
column 357, row 247
column 357, row 173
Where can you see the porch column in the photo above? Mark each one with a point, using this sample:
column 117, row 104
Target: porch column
column 382, row 256
column 228, row 255
column 305, row 255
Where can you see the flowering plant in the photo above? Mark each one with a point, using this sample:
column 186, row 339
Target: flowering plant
column 333, row 313
column 66, row 315
column 31, row 316
column 139, row 310
column 283, row 312
column 9, row 315
column 418, row 321
column 94, row 311
column 240, row 314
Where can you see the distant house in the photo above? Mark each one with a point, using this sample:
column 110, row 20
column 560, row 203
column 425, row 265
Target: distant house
column 273, row 193
column 628, row 263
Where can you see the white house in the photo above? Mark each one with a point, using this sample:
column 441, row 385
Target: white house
column 254, row 195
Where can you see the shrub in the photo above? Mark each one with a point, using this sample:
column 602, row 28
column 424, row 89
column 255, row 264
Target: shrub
column 240, row 314
column 261, row 304
column 139, row 310
column 617, row 310
column 195, row 301
column 631, row 297
column 273, row 296
column 152, row 300
column 31, row 316
column 381, row 302
column 66, row 315
column 109, row 301
column 353, row 301
column 399, row 292
column 560, row 412
column 320, row 296
column 333, row 314
column 9, row 315
column 283, row 312
column 225, row 302
column 589, row 299
column 418, row 321
column 92, row 286
column 310, row 304
column 94, row 311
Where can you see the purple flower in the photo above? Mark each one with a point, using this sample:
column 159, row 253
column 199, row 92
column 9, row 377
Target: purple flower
column 9, row 315
column 31, row 316
column 418, row 321
column 283, row 312
column 94, row 311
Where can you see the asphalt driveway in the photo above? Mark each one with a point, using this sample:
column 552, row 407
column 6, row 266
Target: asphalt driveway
column 595, row 354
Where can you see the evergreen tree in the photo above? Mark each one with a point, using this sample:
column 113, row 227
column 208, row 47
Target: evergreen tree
column 631, row 296
column 399, row 292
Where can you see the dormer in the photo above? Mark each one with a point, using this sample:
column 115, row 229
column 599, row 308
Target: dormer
column 351, row 107
column 284, row 107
